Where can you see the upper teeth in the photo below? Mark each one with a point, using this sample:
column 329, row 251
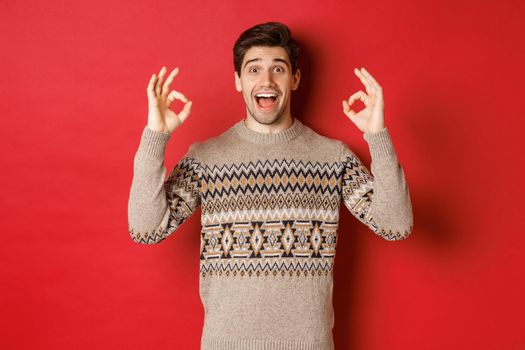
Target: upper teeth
column 266, row 94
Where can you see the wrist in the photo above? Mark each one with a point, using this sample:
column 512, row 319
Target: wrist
column 158, row 129
column 380, row 144
column 375, row 130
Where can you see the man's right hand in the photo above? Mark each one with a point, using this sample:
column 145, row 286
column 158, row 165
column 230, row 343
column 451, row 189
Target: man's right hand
column 160, row 117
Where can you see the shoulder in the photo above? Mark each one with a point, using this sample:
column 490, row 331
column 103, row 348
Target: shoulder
column 205, row 150
column 323, row 144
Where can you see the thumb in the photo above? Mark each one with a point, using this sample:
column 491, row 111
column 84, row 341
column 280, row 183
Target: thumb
column 183, row 115
column 349, row 112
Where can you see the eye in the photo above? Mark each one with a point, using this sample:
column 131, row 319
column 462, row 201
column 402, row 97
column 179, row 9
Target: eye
column 278, row 69
column 252, row 70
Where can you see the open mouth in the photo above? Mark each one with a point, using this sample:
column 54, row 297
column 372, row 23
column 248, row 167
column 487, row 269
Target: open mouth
column 266, row 100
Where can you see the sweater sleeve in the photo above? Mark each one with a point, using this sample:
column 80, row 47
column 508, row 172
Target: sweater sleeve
column 157, row 207
column 381, row 199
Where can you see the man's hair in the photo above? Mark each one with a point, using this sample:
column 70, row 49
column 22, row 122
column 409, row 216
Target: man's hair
column 265, row 34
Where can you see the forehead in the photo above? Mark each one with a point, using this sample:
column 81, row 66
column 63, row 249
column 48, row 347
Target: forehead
column 266, row 53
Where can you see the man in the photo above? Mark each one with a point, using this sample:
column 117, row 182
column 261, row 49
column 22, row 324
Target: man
column 270, row 190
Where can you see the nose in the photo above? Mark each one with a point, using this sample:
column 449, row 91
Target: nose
column 266, row 78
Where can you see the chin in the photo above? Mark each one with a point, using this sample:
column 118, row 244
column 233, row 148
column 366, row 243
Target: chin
column 265, row 117
column 268, row 119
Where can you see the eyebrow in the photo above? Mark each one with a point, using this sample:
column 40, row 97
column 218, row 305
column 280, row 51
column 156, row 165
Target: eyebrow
column 274, row 60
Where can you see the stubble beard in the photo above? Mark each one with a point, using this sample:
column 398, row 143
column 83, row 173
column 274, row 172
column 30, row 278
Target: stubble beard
column 266, row 118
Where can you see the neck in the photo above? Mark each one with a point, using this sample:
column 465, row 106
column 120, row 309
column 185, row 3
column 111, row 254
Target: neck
column 283, row 136
column 279, row 125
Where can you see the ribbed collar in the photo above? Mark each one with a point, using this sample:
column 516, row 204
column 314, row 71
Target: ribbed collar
column 268, row 138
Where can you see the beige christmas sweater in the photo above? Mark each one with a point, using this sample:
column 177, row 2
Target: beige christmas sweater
column 269, row 213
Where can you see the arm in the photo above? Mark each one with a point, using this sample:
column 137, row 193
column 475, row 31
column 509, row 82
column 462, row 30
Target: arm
column 381, row 199
column 156, row 208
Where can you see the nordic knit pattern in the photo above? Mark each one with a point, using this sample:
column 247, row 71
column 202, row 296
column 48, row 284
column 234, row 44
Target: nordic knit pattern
column 269, row 213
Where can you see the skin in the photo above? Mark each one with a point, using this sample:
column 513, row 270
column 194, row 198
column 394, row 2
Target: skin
column 160, row 117
column 267, row 69
column 263, row 69
column 370, row 119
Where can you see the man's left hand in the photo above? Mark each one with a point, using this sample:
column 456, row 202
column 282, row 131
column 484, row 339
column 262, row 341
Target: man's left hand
column 371, row 118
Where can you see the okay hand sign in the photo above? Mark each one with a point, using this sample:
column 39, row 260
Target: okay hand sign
column 370, row 118
column 160, row 116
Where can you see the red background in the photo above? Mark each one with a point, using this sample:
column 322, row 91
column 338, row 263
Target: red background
column 73, row 106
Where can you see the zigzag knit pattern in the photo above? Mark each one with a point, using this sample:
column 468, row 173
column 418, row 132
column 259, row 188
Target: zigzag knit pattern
column 270, row 207
column 244, row 211
column 183, row 197
column 243, row 205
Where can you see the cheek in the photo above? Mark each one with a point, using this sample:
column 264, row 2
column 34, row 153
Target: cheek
column 246, row 86
column 247, row 96
column 286, row 83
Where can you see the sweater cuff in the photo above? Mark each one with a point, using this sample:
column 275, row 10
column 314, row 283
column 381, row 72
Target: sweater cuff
column 380, row 144
column 153, row 143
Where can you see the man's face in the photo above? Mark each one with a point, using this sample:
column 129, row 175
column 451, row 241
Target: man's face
column 266, row 82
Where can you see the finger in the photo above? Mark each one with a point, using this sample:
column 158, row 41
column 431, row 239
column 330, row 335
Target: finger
column 378, row 89
column 348, row 111
column 367, row 78
column 365, row 81
column 185, row 112
column 358, row 95
column 158, row 88
column 151, row 87
column 169, row 80
column 346, row 108
column 374, row 82
column 175, row 95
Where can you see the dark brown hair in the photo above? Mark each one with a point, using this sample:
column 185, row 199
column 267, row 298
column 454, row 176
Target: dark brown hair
column 265, row 34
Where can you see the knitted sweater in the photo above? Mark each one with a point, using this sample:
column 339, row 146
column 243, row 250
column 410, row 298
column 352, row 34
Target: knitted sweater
column 269, row 214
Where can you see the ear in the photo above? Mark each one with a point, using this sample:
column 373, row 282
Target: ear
column 238, row 85
column 296, row 79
